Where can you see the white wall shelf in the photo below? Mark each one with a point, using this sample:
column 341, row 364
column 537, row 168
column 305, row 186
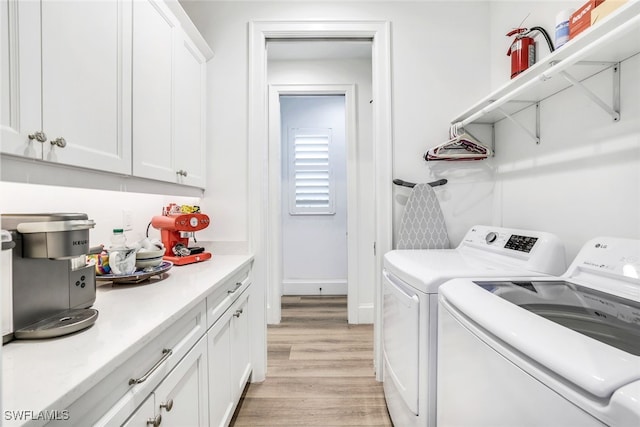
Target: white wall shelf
column 603, row 46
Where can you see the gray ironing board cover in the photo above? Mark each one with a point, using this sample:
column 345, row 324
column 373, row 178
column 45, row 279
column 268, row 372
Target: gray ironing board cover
column 422, row 225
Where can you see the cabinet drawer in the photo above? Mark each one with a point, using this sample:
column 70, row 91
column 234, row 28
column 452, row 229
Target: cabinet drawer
column 118, row 395
column 225, row 294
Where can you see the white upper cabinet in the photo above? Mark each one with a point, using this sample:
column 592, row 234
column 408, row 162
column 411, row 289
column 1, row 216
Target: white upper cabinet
column 154, row 40
column 169, row 75
column 86, row 84
column 71, row 80
column 109, row 85
column 20, row 108
column 190, row 113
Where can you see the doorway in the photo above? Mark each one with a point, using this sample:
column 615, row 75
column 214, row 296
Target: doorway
column 262, row 178
column 313, row 194
column 278, row 155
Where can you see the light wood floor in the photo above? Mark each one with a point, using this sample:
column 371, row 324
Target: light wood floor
column 319, row 371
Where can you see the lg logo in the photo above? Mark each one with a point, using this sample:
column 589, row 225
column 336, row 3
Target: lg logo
column 601, row 246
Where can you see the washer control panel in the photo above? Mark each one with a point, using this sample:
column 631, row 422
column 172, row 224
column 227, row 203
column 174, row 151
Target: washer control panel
column 536, row 251
column 521, row 243
column 501, row 238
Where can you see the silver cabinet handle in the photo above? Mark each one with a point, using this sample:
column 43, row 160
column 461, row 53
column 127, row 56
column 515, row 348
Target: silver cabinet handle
column 155, row 421
column 38, row 136
column 168, row 406
column 166, row 353
column 181, row 173
column 60, row 142
column 237, row 313
column 232, row 291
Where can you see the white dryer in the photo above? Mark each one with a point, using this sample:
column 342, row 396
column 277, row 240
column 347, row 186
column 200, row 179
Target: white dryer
column 411, row 279
column 544, row 351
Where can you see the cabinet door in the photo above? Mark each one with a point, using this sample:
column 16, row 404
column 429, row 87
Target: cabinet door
column 182, row 397
column 86, row 83
column 154, row 38
column 20, row 113
column 143, row 416
column 240, row 346
column 220, row 399
column 190, row 111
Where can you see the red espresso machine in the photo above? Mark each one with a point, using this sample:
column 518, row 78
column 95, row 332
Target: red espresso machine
column 176, row 228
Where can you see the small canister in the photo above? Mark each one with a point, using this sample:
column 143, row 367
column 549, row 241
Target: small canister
column 562, row 27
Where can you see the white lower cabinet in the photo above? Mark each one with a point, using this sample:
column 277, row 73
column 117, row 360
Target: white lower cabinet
column 144, row 415
column 182, row 397
column 192, row 374
column 219, row 346
column 240, row 347
column 229, row 346
column 229, row 361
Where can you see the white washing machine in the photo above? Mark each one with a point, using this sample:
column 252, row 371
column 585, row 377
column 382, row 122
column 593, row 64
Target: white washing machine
column 411, row 279
column 548, row 351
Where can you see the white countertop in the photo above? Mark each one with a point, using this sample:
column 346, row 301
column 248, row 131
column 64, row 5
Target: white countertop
column 51, row 374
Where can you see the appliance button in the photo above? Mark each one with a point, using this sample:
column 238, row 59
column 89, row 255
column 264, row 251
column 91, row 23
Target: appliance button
column 83, row 285
column 78, row 283
column 491, row 237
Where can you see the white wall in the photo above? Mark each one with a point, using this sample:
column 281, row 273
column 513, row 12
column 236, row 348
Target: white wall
column 435, row 72
column 583, row 180
column 104, row 207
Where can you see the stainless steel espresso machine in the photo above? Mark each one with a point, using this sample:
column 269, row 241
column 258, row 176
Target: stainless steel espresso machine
column 52, row 285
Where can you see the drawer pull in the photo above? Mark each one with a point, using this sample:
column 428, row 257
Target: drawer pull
column 237, row 313
column 232, row 291
column 166, row 353
column 155, row 421
column 168, row 406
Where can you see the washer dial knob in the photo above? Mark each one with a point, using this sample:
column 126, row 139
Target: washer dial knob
column 491, row 237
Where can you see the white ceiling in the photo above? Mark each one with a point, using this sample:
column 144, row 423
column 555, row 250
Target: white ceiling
column 318, row 49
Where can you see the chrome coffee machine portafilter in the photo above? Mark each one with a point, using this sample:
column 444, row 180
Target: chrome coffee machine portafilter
column 53, row 287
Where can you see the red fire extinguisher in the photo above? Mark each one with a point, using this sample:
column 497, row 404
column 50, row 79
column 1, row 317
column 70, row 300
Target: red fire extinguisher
column 523, row 48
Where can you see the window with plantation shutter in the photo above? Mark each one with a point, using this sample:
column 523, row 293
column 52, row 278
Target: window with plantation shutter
column 310, row 177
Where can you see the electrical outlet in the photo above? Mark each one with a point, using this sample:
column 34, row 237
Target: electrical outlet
column 127, row 220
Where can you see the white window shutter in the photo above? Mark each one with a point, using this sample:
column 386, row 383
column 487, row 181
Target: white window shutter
column 310, row 176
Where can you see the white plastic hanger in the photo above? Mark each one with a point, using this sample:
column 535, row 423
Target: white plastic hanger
column 460, row 146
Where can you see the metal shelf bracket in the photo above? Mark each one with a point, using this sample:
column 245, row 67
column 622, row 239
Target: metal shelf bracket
column 534, row 136
column 614, row 110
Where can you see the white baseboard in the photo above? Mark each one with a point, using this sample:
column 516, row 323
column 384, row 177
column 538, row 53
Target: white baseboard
column 365, row 314
column 314, row 287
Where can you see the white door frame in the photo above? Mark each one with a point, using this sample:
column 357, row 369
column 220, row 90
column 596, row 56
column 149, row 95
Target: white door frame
column 259, row 204
column 275, row 187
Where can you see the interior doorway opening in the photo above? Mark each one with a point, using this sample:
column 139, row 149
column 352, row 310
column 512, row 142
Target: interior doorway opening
column 308, row 69
column 263, row 224
column 313, row 194
column 278, row 157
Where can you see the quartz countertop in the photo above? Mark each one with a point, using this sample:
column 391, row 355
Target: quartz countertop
column 51, row 374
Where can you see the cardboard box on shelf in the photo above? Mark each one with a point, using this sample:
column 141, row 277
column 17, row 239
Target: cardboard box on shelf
column 581, row 19
column 604, row 9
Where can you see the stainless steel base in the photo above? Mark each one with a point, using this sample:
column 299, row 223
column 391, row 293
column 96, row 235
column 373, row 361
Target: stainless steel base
column 64, row 323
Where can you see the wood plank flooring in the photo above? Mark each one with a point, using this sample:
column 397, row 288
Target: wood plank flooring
column 319, row 370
